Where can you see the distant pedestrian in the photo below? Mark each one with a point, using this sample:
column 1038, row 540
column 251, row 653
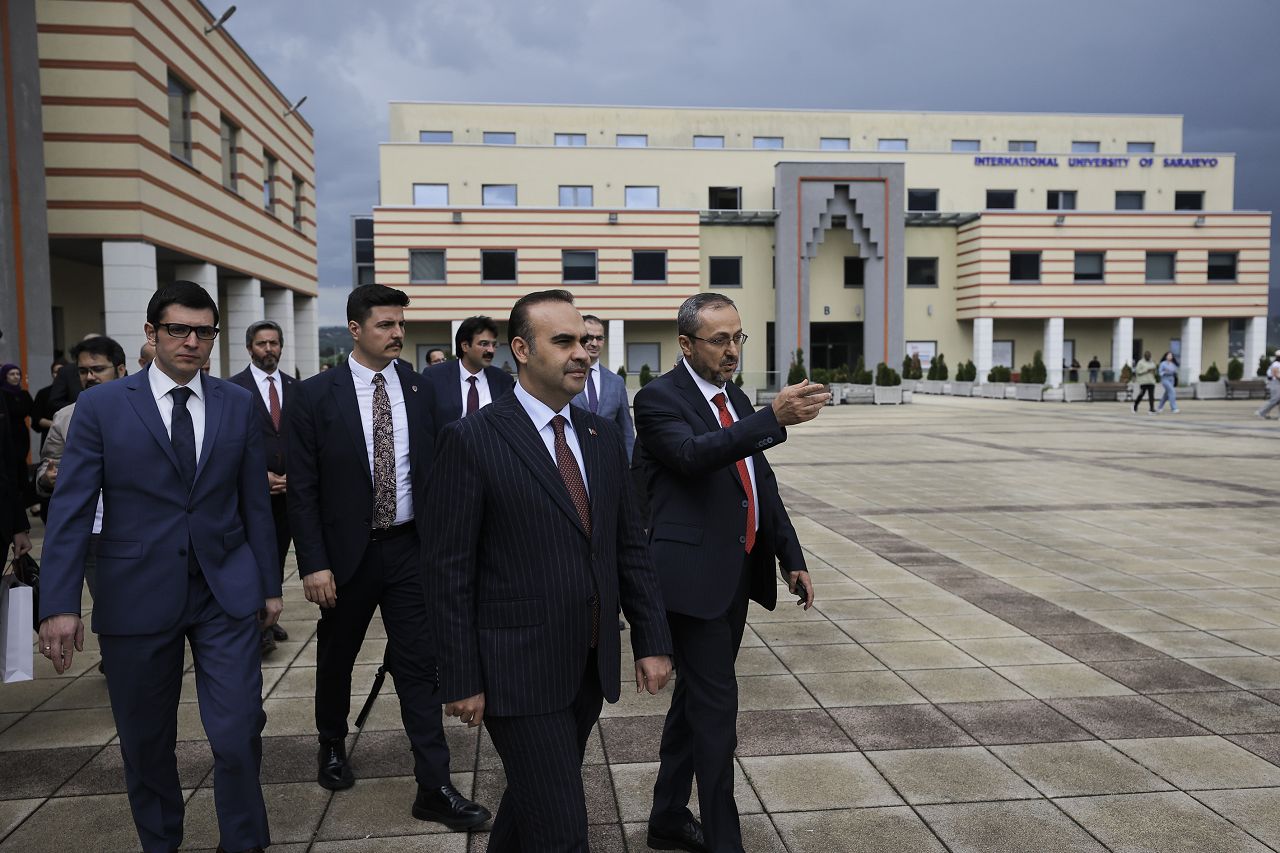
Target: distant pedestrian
column 1074, row 375
column 1168, row 377
column 1273, row 387
column 17, row 406
column 1144, row 376
column 435, row 355
column 1094, row 367
column 41, row 412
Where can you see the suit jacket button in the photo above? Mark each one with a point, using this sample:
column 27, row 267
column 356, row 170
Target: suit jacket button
column 742, row 540
column 744, row 504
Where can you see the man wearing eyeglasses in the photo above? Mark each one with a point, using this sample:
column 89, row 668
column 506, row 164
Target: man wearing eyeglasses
column 186, row 555
column 466, row 385
column 606, row 392
column 717, row 530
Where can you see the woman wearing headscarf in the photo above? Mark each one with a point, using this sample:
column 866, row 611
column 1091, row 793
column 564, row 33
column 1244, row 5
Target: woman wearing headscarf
column 17, row 406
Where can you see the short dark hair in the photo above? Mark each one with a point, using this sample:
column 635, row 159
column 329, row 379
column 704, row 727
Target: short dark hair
column 366, row 297
column 435, row 350
column 689, row 320
column 592, row 318
column 103, row 346
column 469, row 327
column 252, row 332
column 188, row 294
column 518, row 324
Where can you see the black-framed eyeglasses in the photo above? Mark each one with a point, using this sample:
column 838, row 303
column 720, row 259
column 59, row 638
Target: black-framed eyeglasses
column 723, row 341
column 593, row 339
column 96, row 369
column 182, row 330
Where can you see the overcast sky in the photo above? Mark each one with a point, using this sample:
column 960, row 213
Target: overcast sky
column 1216, row 63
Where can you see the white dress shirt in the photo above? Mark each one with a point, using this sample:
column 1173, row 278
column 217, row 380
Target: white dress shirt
column 708, row 390
column 264, row 387
column 161, row 385
column 541, row 414
column 482, row 387
column 363, row 378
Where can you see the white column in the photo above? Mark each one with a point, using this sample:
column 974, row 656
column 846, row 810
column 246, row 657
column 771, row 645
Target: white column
column 306, row 335
column 1121, row 344
column 1255, row 345
column 618, row 345
column 205, row 275
column 1192, row 338
column 454, row 325
column 244, row 308
column 278, row 303
column 983, row 344
column 128, row 283
column 1053, row 351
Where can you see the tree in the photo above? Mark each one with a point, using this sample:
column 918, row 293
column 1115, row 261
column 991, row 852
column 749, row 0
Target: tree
column 622, row 371
column 1212, row 374
column 861, row 376
column 646, row 375
column 1235, row 370
column 797, row 373
column 939, row 367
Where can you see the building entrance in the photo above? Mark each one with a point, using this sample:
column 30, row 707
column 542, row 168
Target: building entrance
column 834, row 345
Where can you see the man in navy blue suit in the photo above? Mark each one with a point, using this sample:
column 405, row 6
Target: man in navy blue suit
column 533, row 538
column 468, row 384
column 605, row 393
column 186, row 554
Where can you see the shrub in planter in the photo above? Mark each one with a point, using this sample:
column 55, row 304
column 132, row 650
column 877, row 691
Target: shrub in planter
column 939, row 366
column 797, row 372
column 820, row 375
column 1212, row 374
column 646, row 375
column 1034, row 373
column 1000, row 373
column 1126, row 373
column 841, row 374
column 967, row 372
column 737, row 380
column 917, row 372
column 860, row 375
column 622, row 371
column 886, row 375
column 1235, row 370
column 906, row 368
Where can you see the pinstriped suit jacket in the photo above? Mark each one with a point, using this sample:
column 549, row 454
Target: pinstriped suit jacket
column 509, row 569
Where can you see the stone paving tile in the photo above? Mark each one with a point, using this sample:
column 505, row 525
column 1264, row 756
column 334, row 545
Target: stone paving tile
column 900, row 727
column 40, row 772
column 14, row 812
column 785, row 733
column 105, row 773
column 294, row 810
column 101, row 822
column 51, row 729
column 1201, row 763
column 1254, row 811
column 1160, row 676
column 1055, row 681
column 1265, row 641
column 1033, row 826
column 843, row 689
column 1029, row 721
column 1191, row 644
column 1226, row 712
column 833, row 781
column 961, row 685
column 1101, row 647
column 1169, row 822
column 1012, row 651
column 882, row 830
column 1079, row 769
column 950, row 775
column 632, row 740
column 1126, row 717
column 381, row 806
column 1250, row 673
column 633, row 786
column 847, row 657
column 920, row 654
column 885, row 630
column 1265, row 746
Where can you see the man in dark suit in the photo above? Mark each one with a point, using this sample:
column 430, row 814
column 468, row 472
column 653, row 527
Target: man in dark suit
column 717, row 525
column 470, row 383
column 605, row 393
column 535, row 538
column 361, row 442
column 186, row 553
column 271, row 391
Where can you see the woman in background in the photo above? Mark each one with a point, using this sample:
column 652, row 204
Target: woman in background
column 1168, row 375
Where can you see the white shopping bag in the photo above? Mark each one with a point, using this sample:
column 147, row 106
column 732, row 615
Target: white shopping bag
column 16, row 647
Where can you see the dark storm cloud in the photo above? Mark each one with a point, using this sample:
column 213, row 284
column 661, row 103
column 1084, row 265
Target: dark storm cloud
column 1214, row 63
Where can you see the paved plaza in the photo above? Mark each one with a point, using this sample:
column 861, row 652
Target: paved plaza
column 1040, row 627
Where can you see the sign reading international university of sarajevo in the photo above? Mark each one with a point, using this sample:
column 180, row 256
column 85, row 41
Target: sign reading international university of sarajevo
column 1099, row 162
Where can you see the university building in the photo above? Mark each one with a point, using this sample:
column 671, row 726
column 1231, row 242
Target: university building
column 977, row 235
column 157, row 150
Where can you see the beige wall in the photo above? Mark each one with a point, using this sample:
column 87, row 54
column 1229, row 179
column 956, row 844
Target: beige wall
column 76, row 288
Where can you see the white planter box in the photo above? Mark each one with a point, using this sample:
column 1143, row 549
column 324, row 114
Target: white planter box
column 859, row 393
column 1031, row 391
column 887, row 395
column 994, row 390
column 1011, row 391
column 1211, row 390
column 1075, row 392
column 906, row 396
column 961, row 389
column 1053, row 395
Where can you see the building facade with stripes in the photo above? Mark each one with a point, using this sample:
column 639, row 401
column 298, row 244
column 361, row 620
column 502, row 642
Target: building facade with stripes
column 844, row 234
column 169, row 154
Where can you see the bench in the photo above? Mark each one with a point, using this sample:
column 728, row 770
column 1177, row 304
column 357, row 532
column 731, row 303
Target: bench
column 1108, row 391
column 1246, row 388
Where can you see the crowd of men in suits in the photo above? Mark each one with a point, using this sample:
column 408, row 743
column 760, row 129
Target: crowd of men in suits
column 499, row 527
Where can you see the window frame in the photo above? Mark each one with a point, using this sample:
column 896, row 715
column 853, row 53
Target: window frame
column 1178, row 196
column 932, row 209
column 1099, row 277
column 486, row 134
column 515, row 264
column 712, row 190
column 299, row 196
column 890, row 143
column 1141, row 196
column 635, row 278
column 576, row 190
column 1139, row 147
column 960, row 146
column 564, row 266
column 657, row 196
column 643, row 139
column 862, row 272
column 707, row 141
column 756, row 143
column 823, row 146
column 711, row 267
column 229, row 140
column 570, row 140
column 416, row 185
column 1061, row 194
column 1020, row 146
column 444, row 265
column 270, row 166
column 1235, row 267
column 448, row 133
column 922, row 263
column 1039, row 269
column 1013, row 194
column 1173, row 267
column 515, row 195
column 183, row 140
column 1086, row 146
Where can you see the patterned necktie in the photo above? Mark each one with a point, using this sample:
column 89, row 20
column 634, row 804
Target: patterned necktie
column 572, row 477
column 726, row 421
column 384, row 457
column 593, row 402
column 182, row 433
column 275, row 402
column 473, row 396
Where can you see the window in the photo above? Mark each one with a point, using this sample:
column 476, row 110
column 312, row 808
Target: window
column 269, row 182
column 1082, row 147
column 299, row 194
column 578, row 267
column 766, row 142
column 436, row 137
column 1160, row 266
column 498, row 266
column 1090, row 266
column 362, row 231
column 891, row 145
column 708, row 141
column 1130, row 199
column 855, row 271
column 834, row 143
column 1001, row 199
column 1141, row 148
column 1022, row 145
column 724, row 198
column 649, row 266
column 922, row 272
column 365, row 274
column 1024, row 266
column 426, row 267
column 492, row 137
column 1060, row 200
column 632, row 140
column 966, row 145
column 230, row 139
column 1188, row 200
column 571, row 140
column 642, row 355
column 641, row 197
column 430, row 195
column 1222, row 266
column 179, row 119
column 726, row 272
column 922, row 199
column 498, row 195
column 576, row 196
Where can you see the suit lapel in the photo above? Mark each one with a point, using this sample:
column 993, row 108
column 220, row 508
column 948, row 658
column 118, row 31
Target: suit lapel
column 213, row 408
column 344, row 393
column 409, row 381
column 693, row 395
column 512, row 422
column 589, row 443
column 144, row 405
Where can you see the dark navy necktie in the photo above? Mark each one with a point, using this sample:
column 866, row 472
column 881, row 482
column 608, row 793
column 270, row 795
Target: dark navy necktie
column 593, row 402
column 182, row 433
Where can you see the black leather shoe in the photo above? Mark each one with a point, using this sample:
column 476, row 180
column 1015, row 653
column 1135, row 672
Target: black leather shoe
column 267, row 643
column 445, row 805
column 279, row 633
column 685, row 836
column 335, row 773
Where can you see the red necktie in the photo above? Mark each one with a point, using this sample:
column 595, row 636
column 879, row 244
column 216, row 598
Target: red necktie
column 572, row 477
column 275, row 402
column 473, row 396
column 726, row 421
